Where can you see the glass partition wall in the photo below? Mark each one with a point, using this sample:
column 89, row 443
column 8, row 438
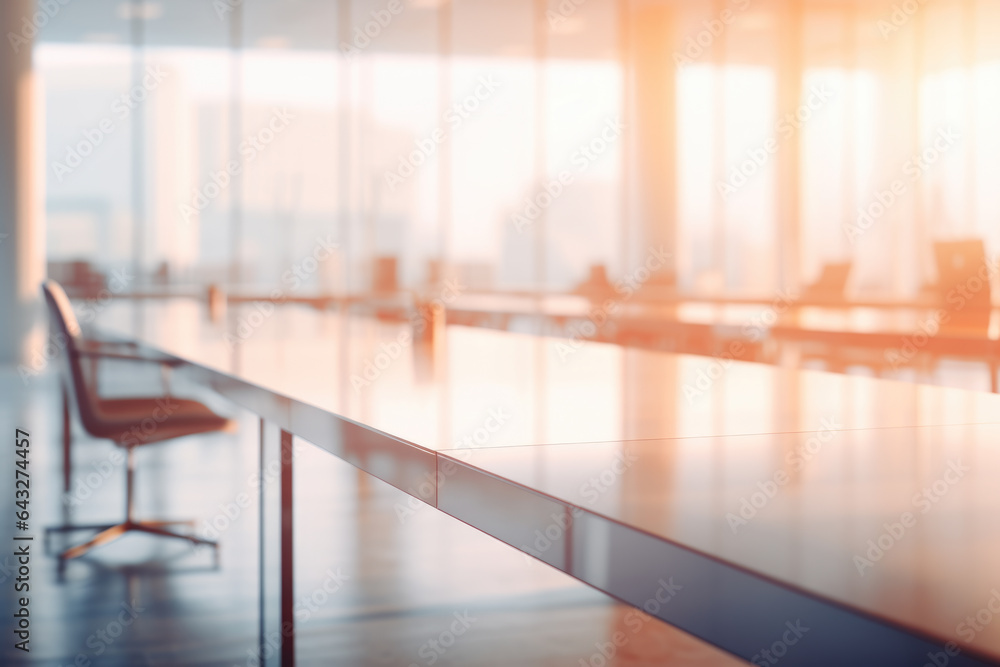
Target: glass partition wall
column 515, row 144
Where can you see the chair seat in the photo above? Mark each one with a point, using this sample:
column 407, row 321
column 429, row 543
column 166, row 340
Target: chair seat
column 142, row 421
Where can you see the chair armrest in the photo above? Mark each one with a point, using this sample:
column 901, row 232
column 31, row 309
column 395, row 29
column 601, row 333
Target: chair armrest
column 99, row 349
column 97, row 344
column 164, row 361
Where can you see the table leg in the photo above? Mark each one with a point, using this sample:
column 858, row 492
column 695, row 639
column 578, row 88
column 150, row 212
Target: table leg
column 67, row 440
column 287, row 555
column 277, row 625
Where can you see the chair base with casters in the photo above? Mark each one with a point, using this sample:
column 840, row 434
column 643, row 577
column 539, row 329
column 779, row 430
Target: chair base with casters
column 128, row 422
column 109, row 532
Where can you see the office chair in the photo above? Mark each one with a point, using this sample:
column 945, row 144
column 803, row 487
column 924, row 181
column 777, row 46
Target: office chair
column 831, row 286
column 963, row 264
column 597, row 286
column 128, row 422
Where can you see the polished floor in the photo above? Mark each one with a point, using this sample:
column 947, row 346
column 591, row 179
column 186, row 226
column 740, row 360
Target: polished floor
column 380, row 581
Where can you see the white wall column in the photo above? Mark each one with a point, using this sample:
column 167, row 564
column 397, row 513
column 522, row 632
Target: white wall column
column 22, row 237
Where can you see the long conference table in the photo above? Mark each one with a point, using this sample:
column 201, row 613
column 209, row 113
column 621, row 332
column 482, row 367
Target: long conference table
column 885, row 338
column 782, row 515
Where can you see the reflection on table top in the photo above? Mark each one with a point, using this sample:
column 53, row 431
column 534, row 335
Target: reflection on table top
column 551, row 390
column 821, row 510
column 837, row 458
column 782, row 316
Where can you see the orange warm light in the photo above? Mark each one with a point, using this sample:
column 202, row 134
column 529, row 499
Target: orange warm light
column 654, row 292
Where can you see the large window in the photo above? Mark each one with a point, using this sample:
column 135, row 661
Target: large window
column 438, row 134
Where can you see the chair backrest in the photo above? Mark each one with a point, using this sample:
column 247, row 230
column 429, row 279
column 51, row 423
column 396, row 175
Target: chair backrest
column 831, row 284
column 385, row 272
column 62, row 311
column 834, row 277
column 67, row 325
column 963, row 264
column 597, row 284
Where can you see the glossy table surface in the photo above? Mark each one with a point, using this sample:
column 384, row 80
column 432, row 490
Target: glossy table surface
column 752, row 320
column 864, row 508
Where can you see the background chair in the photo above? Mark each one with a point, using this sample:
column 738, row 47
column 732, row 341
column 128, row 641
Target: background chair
column 964, row 284
column 597, row 286
column 831, row 286
column 128, row 422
